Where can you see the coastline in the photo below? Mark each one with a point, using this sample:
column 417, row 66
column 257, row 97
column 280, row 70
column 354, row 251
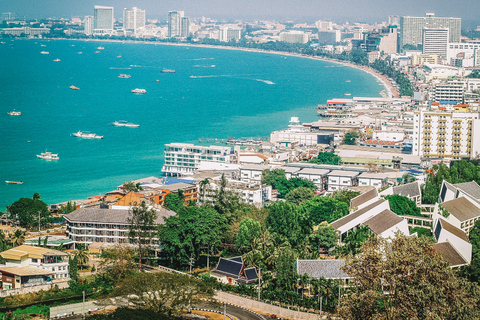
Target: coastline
column 391, row 91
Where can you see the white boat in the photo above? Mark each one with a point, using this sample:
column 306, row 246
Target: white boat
column 57, row 60
column 100, row 48
column 74, row 88
column 14, row 113
column 14, row 182
column 80, row 52
column 87, row 135
column 124, row 76
column 139, row 90
column 123, row 123
column 48, row 156
column 119, row 57
column 44, row 52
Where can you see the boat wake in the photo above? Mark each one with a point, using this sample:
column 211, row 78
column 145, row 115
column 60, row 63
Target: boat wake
column 199, row 77
column 120, row 68
column 265, row 81
column 200, row 66
column 198, row 59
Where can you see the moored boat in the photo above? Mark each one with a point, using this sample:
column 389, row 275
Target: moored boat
column 74, row 88
column 14, row 182
column 44, row 52
column 124, row 76
column 123, row 123
column 139, row 90
column 48, row 156
column 100, row 48
column 87, row 135
column 14, row 113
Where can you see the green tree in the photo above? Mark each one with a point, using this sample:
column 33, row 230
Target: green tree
column 27, row 212
column 344, row 195
column 117, row 262
column 288, row 222
column 359, row 57
column 173, row 202
column 271, row 177
column 129, row 186
column 17, row 238
column 299, row 195
column 125, row 313
column 81, row 256
column 142, row 228
column 226, row 202
column 406, row 279
column 321, row 209
column 183, row 235
column 403, row 206
column 350, row 138
column 326, row 158
column 353, row 242
column 163, row 292
column 248, row 231
column 73, row 268
column 472, row 271
column 204, row 184
column 285, row 186
column 324, row 237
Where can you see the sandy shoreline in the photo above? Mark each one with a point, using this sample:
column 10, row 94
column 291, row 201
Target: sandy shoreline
column 391, row 91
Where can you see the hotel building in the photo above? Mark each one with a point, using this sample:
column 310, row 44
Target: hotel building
column 102, row 19
column 411, row 28
column 133, row 19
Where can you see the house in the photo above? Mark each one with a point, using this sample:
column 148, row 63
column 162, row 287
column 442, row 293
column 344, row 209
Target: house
column 377, row 180
column 461, row 212
column 36, row 264
column 458, row 251
column 20, row 277
column 317, row 176
column 341, row 179
column 450, row 191
column 89, row 225
column 386, row 223
column 252, row 172
column 233, row 270
column 410, row 190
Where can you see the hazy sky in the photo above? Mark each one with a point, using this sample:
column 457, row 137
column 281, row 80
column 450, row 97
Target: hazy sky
column 300, row 10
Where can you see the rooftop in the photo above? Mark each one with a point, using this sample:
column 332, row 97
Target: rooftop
column 453, row 230
column 450, row 254
column 383, row 221
column 462, row 209
column 26, row 251
column 25, row 271
column 328, row 269
column 364, row 197
column 110, row 215
column 408, row 190
column 471, row 188
column 343, row 173
column 350, row 217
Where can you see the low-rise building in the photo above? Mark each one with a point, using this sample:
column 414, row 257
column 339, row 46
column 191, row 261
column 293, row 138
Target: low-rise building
column 377, row 180
column 232, row 270
column 341, row 179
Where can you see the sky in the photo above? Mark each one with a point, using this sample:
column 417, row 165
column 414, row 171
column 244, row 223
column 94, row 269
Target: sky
column 281, row 10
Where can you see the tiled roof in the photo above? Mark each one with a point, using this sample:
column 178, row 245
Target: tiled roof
column 237, row 259
column 328, row 269
column 383, row 221
column 364, row 197
column 251, row 273
column 254, row 167
column 25, row 251
column 313, row 171
column 342, row 221
column 25, row 271
column 450, row 254
column 408, row 190
column 343, row 173
column 453, row 230
column 130, row 199
column 110, row 215
column 471, row 188
column 229, row 268
column 462, row 209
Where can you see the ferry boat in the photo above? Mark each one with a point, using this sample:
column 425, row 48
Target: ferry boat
column 168, row 71
column 124, row 76
column 139, row 90
column 74, row 88
column 14, row 113
column 87, row 135
column 44, row 52
column 48, row 156
column 57, row 60
column 14, row 182
column 123, row 123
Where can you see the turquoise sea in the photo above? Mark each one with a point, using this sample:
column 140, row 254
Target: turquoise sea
column 231, row 94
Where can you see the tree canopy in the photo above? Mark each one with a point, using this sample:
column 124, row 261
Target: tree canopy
column 321, row 209
column 27, row 212
column 288, row 222
column 142, row 228
column 350, row 138
column 406, row 279
column 403, row 206
column 299, row 195
column 326, row 158
column 248, row 231
column 472, row 271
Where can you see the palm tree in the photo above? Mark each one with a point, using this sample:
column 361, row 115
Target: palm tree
column 82, row 258
column 203, row 187
column 17, row 238
column 36, row 196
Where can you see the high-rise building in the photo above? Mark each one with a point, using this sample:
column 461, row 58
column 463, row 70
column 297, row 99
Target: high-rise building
column 393, row 20
column 88, row 25
column 133, row 19
column 227, row 34
column 411, row 28
column 175, row 23
column 103, row 18
column 184, row 27
column 8, row 16
column 329, row 37
column 435, row 41
column 324, row 25
column 294, row 37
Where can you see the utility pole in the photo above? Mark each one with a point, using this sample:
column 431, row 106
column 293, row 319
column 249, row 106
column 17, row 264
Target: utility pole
column 224, row 311
column 208, row 258
column 39, row 223
column 320, row 298
column 192, row 259
column 259, row 282
column 83, row 306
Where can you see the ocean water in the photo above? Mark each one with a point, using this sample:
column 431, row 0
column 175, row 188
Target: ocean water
column 214, row 93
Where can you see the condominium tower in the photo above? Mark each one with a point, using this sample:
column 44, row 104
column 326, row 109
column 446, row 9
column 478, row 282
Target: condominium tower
column 133, row 19
column 435, row 41
column 178, row 24
column 103, row 18
column 411, row 28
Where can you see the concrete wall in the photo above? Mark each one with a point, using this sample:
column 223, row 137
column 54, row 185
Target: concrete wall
column 266, row 308
column 8, row 292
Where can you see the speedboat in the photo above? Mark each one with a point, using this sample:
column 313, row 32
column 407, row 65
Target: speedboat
column 124, row 76
column 168, row 71
column 100, row 48
column 87, row 135
column 14, row 113
column 48, row 156
column 14, row 182
column 74, row 88
column 57, row 60
column 123, row 123
column 44, row 52
column 139, row 90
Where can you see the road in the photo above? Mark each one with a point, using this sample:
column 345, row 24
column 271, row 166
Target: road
column 239, row 313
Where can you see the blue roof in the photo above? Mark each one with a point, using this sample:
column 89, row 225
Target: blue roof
column 168, row 180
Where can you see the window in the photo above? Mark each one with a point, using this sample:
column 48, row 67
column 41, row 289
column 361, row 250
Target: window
column 34, row 260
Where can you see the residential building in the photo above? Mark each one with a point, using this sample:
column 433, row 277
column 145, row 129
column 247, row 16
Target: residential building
column 301, row 135
column 446, row 134
column 133, row 19
column 435, row 41
column 421, row 59
column 316, row 175
column 389, row 40
column 252, row 172
column 324, row 25
column 37, row 265
column 364, row 199
column 232, row 270
column 410, row 190
column 227, row 34
column 469, row 53
column 374, row 179
column 88, row 25
column 448, row 92
column 185, row 158
column 452, row 243
column 411, row 28
column 176, row 23
column 26, row 30
column 103, row 225
column 184, row 27
column 341, row 179
column 329, row 37
column 460, row 212
column 294, row 37
column 103, row 19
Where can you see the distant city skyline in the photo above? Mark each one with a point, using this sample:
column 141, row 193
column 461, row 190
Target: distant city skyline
column 309, row 10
